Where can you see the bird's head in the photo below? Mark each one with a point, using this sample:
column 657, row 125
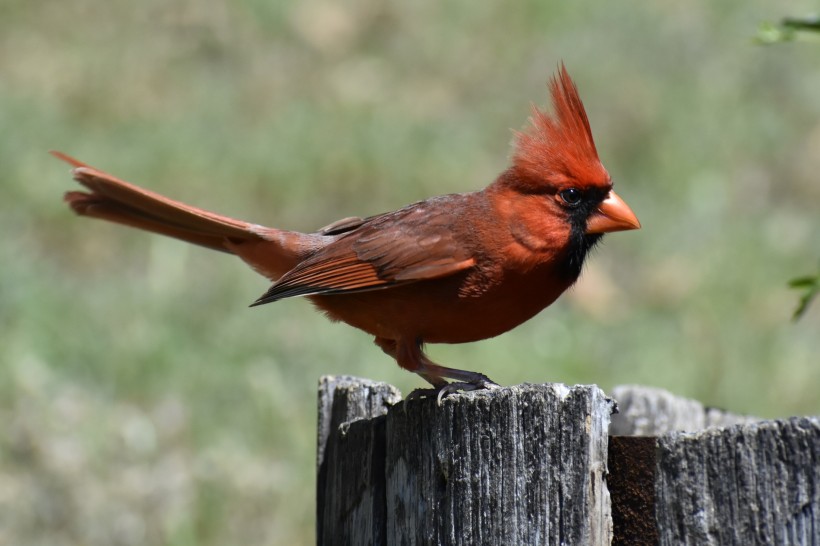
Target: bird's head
column 556, row 158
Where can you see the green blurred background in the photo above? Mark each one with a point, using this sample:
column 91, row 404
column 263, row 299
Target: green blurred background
column 142, row 402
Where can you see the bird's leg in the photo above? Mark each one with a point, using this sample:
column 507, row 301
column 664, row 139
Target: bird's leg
column 411, row 357
column 389, row 346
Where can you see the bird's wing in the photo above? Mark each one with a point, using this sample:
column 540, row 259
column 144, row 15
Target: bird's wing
column 415, row 243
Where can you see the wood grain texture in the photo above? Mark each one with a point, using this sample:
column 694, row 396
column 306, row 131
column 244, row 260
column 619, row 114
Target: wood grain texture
column 749, row 484
column 516, row 465
column 350, row 460
column 527, row 465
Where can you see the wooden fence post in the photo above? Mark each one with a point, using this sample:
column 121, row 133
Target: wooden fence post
column 528, row 465
column 350, row 460
column 748, row 484
column 516, row 465
column 729, row 479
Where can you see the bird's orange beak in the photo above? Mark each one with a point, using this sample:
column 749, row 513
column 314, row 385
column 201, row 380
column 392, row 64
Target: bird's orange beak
column 613, row 214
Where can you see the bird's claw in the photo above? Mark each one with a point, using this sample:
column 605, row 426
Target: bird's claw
column 462, row 386
column 442, row 391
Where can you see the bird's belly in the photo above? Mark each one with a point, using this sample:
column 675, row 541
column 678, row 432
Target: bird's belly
column 435, row 312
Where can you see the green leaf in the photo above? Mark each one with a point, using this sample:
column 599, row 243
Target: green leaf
column 811, row 285
column 811, row 23
column 801, row 282
column 787, row 30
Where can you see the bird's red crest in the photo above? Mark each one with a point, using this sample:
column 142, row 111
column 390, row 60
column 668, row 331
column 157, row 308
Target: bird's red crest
column 559, row 149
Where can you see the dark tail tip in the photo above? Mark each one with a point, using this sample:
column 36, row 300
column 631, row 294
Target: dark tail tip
column 263, row 300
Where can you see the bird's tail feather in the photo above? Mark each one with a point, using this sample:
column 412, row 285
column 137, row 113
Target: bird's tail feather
column 118, row 201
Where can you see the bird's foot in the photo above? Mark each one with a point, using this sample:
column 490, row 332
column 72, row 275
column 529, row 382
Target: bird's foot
column 480, row 382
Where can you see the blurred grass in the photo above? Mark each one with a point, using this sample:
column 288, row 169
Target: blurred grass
column 145, row 404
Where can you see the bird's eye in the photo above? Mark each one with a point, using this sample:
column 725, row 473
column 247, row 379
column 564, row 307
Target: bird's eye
column 571, row 196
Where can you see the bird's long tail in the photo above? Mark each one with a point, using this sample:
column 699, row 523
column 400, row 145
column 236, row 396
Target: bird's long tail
column 270, row 251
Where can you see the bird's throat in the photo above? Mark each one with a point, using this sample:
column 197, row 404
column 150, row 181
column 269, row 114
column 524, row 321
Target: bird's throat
column 580, row 244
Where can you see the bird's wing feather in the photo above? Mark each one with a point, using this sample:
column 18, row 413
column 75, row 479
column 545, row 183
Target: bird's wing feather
column 415, row 243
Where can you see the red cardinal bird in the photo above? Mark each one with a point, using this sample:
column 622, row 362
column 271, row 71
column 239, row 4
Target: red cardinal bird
column 450, row 269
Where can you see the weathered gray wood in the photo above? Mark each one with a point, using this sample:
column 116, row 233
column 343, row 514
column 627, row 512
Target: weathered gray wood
column 526, row 465
column 648, row 411
column 350, row 457
column 749, row 484
column 517, row 465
